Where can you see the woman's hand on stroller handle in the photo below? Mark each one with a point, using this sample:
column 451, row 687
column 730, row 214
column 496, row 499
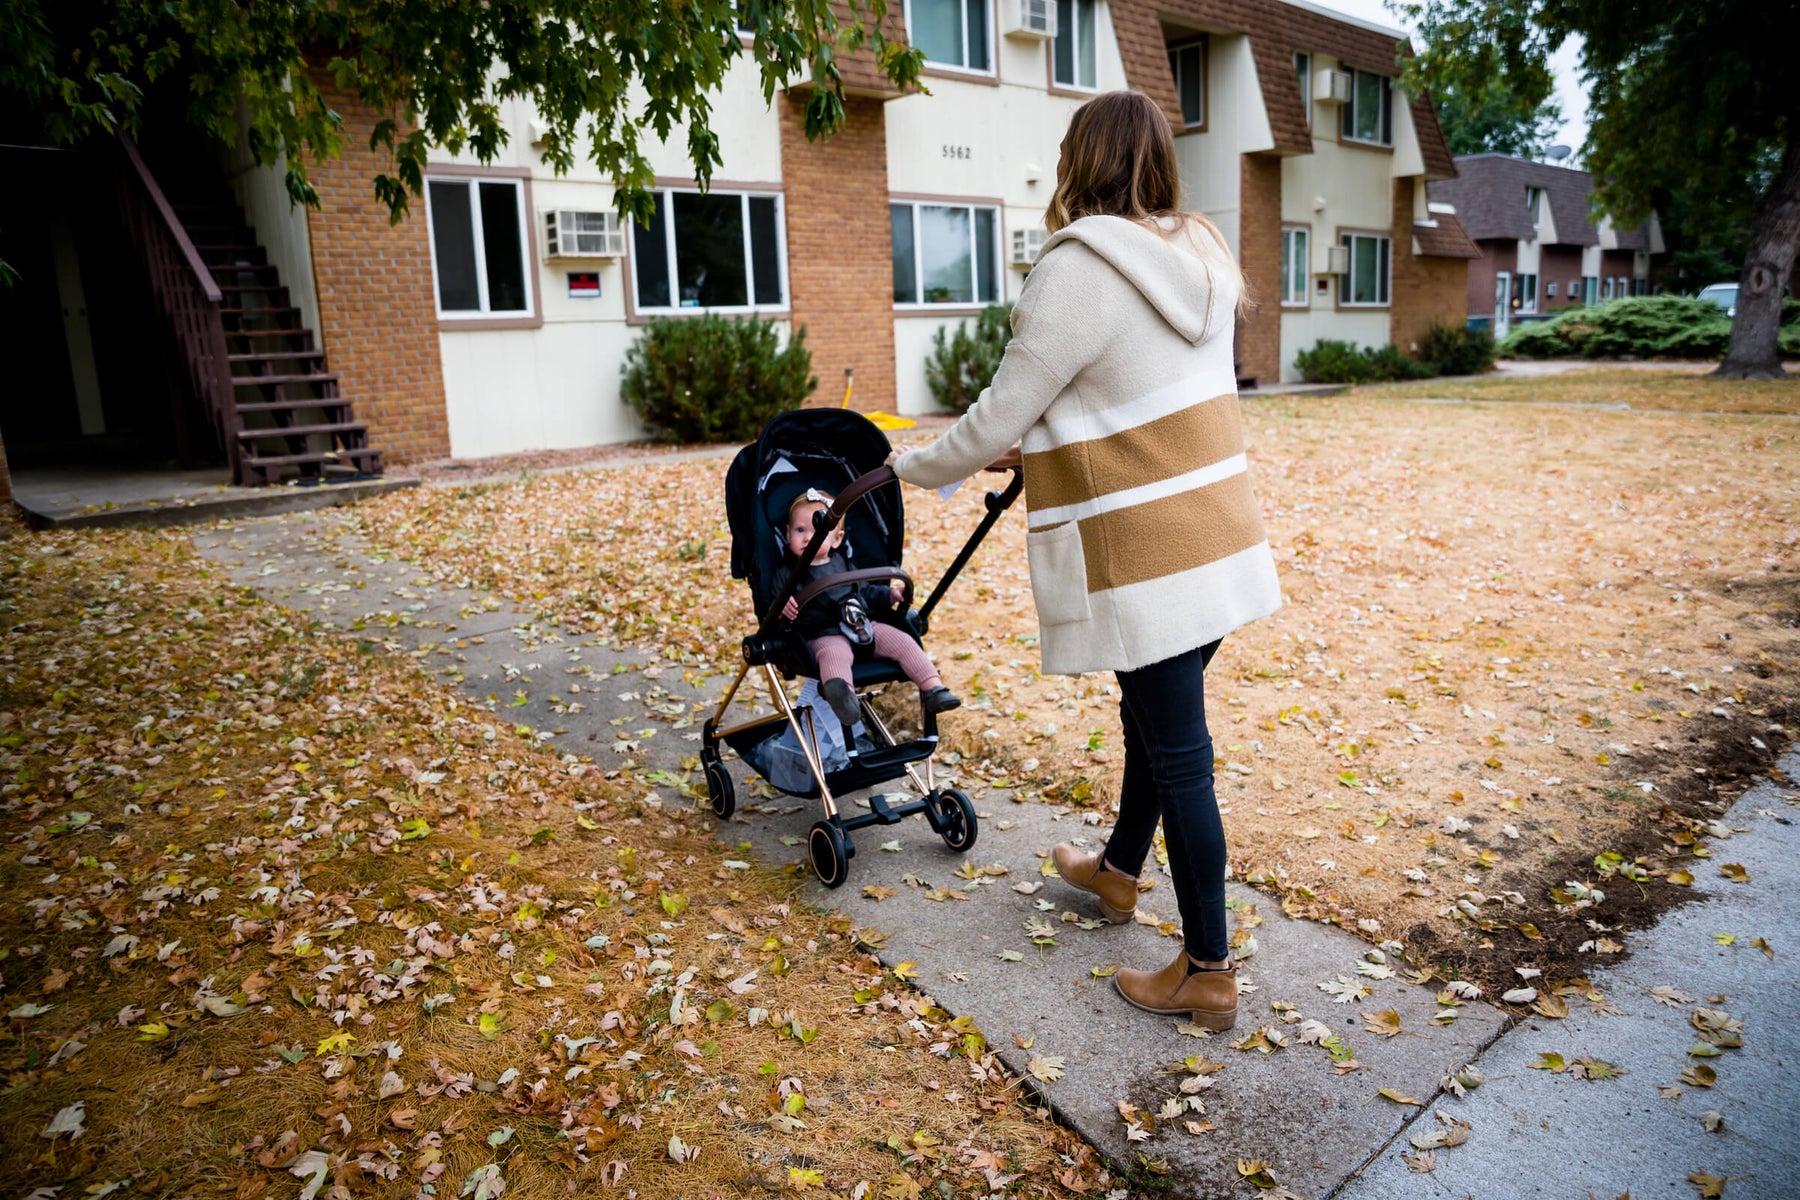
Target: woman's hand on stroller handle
column 1010, row 460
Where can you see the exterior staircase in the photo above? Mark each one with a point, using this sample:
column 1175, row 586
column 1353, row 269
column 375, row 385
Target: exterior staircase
column 288, row 419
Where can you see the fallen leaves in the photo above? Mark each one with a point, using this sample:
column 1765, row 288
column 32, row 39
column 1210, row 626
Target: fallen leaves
column 1385, row 1022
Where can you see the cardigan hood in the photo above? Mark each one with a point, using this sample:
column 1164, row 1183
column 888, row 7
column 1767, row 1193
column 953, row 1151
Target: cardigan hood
column 1169, row 271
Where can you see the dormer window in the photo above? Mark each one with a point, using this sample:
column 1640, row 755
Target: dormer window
column 1534, row 204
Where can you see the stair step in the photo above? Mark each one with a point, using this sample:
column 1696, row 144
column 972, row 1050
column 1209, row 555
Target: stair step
column 297, row 331
column 270, row 406
column 226, row 250
column 267, row 270
column 248, row 310
column 275, row 431
column 267, row 355
column 225, row 234
column 253, row 287
column 268, row 380
column 289, row 460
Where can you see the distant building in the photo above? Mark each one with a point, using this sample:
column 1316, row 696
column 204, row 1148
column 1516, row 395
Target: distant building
column 1542, row 249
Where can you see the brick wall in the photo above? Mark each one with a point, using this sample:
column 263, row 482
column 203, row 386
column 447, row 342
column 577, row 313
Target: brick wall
column 1497, row 254
column 375, row 296
column 1559, row 265
column 840, row 256
column 1259, row 254
column 1427, row 290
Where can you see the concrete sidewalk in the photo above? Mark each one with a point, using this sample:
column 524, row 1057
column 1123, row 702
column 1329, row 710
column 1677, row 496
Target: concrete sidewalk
column 962, row 920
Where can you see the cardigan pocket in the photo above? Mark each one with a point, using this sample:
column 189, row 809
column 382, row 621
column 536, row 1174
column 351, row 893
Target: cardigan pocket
column 1058, row 574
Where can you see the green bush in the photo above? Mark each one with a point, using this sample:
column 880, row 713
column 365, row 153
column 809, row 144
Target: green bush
column 715, row 379
column 1635, row 327
column 961, row 366
column 1329, row 361
column 1457, row 349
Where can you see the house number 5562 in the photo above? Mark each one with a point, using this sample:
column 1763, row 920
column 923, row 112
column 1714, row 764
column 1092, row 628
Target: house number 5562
column 957, row 152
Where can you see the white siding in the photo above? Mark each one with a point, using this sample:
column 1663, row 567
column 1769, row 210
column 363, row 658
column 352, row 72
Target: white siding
column 281, row 227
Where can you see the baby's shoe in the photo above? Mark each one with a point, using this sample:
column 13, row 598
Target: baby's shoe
column 842, row 698
column 940, row 699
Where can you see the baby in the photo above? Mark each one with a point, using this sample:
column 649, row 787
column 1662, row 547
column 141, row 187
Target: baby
column 837, row 620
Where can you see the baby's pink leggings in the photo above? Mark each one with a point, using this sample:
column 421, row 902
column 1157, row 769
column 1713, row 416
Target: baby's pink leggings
column 836, row 657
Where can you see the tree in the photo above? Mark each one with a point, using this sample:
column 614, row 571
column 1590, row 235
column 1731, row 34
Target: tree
column 1495, row 121
column 601, row 73
column 1687, row 95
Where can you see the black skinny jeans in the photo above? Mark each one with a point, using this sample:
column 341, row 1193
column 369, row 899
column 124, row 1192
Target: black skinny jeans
column 1169, row 775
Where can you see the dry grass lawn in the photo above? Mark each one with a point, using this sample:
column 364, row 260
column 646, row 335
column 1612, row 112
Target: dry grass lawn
column 1683, row 389
column 1519, row 641
column 280, row 916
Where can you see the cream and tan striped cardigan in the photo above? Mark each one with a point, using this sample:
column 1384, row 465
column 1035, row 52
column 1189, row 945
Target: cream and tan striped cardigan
column 1143, row 535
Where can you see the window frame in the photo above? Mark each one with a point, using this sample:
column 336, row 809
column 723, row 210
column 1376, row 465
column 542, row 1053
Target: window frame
column 639, row 312
column 1060, row 85
column 1201, row 43
column 992, row 70
column 970, row 203
column 1534, row 203
column 1289, row 297
column 1384, row 268
column 1385, row 120
column 1303, row 69
column 530, row 317
column 1526, row 300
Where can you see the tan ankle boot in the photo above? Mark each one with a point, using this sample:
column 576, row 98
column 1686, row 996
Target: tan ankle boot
column 1117, row 893
column 1210, row 998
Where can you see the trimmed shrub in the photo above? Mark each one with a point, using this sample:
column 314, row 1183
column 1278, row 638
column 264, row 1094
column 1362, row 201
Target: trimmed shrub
column 1457, row 349
column 960, row 367
column 1635, row 327
column 1329, row 361
column 715, row 379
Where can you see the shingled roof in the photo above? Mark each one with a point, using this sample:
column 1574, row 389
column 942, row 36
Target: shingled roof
column 1489, row 195
column 1276, row 29
column 1444, row 238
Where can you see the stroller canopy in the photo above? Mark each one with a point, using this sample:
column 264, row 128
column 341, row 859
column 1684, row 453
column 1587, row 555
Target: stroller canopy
column 824, row 448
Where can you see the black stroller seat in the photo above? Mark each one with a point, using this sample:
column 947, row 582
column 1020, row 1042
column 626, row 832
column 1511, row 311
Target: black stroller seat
column 841, row 453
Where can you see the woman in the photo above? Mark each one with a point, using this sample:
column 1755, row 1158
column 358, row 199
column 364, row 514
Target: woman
column 1145, row 543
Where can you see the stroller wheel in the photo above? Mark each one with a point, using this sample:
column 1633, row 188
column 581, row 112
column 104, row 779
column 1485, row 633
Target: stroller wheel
column 830, row 856
column 718, row 787
column 956, row 819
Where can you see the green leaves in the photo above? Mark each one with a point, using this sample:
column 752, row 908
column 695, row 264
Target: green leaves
column 604, row 78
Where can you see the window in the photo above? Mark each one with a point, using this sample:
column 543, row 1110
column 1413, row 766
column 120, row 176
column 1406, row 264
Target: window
column 952, row 33
column 478, row 245
column 1621, row 287
column 721, row 250
column 1590, row 289
column 1294, row 265
column 1550, row 289
column 1075, row 53
column 946, row 253
column 1525, row 293
column 1534, row 204
column 1303, row 68
column 1606, row 286
column 1187, row 62
column 1369, row 116
column 1366, row 283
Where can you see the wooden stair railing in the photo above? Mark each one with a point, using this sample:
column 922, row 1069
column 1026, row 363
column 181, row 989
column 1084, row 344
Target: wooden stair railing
column 187, row 303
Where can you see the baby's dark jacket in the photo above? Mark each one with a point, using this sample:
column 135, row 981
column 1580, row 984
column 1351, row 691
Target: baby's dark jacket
column 820, row 617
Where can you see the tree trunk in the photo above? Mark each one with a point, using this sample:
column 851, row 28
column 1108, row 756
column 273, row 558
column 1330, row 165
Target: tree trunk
column 1755, row 330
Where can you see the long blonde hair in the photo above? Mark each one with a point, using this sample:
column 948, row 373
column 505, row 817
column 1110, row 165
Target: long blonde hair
column 1121, row 163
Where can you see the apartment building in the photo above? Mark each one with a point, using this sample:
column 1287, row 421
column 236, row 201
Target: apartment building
column 497, row 316
column 1542, row 246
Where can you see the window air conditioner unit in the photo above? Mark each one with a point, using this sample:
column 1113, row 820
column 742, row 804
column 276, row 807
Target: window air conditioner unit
column 1027, row 244
column 572, row 234
column 1030, row 18
column 1332, row 87
column 1337, row 260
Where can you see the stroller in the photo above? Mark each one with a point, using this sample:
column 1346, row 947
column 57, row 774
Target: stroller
column 841, row 452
